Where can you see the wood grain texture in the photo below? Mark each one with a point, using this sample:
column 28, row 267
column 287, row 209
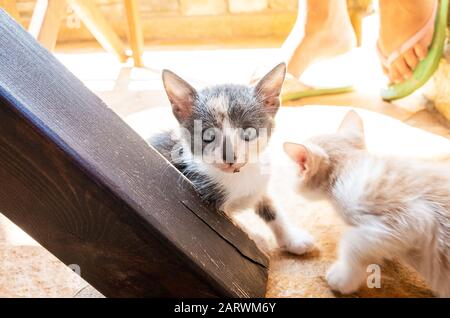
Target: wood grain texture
column 91, row 191
column 136, row 36
column 46, row 21
column 99, row 27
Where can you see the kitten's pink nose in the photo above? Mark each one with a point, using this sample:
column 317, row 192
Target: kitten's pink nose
column 231, row 167
column 235, row 167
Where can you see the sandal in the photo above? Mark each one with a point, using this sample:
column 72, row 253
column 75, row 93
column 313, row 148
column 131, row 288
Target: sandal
column 426, row 68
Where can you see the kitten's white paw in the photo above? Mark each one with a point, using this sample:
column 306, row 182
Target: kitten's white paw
column 297, row 242
column 343, row 278
column 260, row 241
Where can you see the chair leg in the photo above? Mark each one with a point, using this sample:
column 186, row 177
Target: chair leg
column 99, row 27
column 46, row 21
column 136, row 37
column 356, row 20
column 10, row 7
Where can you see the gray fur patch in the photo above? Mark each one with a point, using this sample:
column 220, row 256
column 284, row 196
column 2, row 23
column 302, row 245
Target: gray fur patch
column 235, row 105
column 211, row 192
column 242, row 110
column 266, row 210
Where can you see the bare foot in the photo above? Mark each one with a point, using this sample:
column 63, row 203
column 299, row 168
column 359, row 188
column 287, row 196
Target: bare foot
column 327, row 32
column 293, row 85
column 399, row 21
column 322, row 30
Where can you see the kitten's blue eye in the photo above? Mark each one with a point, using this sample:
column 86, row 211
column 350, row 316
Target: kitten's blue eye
column 249, row 134
column 209, row 135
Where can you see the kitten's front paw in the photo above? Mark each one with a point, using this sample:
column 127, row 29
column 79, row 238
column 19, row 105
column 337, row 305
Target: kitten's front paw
column 297, row 242
column 343, row 278
column 260, row 241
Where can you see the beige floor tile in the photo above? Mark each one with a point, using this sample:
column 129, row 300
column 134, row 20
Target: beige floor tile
column 31, row 271
column 428, row 121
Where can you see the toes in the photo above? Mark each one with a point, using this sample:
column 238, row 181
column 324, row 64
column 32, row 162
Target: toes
column 421, row 48
column 394, row 75
column 420, row 51
column 411, row 59
column 399, row 71
column 385, row 70
column 402, row 68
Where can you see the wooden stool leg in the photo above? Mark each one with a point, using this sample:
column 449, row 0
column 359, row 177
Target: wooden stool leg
column 135, row 31
column 10, row 7
column 46, row 20
column 99, row 27
column 356, row 20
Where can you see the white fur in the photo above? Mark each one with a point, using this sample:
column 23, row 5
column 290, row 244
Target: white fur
column 245, row 189
column 352, row 184
column 397, row 207
column 370, row 238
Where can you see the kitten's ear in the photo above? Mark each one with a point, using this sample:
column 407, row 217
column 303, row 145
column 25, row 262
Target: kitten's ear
column 181, row 95
column 352, row 122
column 268, row 88
column 298, row 153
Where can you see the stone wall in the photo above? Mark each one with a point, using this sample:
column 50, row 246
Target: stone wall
column 175, row 21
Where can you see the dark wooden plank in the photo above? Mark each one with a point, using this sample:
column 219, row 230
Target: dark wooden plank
column 91, row 191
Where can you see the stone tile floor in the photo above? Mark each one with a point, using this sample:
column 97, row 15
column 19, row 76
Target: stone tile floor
column 404, row 128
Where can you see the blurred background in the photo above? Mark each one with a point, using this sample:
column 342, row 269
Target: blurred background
column 175, row 22
column 204, row 41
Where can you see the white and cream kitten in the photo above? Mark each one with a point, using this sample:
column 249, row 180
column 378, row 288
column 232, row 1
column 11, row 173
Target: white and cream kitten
column 220, row 145
column 396, row 208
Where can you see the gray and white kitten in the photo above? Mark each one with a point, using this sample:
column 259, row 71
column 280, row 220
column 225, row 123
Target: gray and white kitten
column 223, row 132
column 396, row 208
